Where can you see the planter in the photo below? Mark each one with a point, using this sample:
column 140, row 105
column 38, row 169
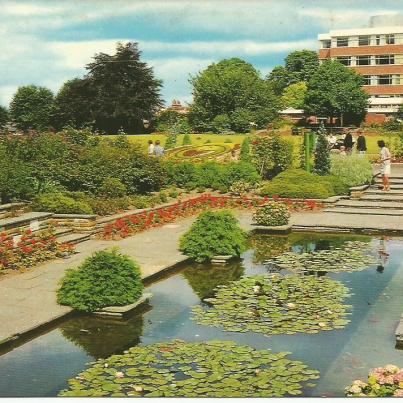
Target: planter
column 221, row 259
column 120, row 312
column 274, row 230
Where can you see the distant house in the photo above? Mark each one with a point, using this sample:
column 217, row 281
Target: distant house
column 178, row 107
column 296, row 115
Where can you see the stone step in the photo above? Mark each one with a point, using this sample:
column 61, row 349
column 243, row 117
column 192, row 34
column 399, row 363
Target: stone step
column 74, row 238
column 392, row 191
column 364, row 211
column 63, row 231
column 372, row 204
column 392, row 179
column 392, row 186
column 384, row 197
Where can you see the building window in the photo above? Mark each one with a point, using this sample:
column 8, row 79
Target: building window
column 341, row 42
column 326, row 44
column 367, row 80
column 346, row 60
column 363, row 60
column 390, row 39
column 385, row 79
column 385, row 59
column 378, row 39
column 363, row 40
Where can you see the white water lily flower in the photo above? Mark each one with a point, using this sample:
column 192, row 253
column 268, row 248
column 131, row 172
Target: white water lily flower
column 119, row 374
column 256, row 289
column 138, row 388
column 291, row 305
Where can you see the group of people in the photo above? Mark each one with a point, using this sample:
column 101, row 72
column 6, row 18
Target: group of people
column 345, row 145
column 155, row 150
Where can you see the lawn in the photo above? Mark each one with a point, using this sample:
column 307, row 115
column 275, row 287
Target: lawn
column 197, row 139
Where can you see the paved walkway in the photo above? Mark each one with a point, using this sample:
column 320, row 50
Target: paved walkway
column 28, row 300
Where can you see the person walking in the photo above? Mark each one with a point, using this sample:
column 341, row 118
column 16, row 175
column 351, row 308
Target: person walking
column 385, row 164
column 150, row 147
column 158, row 149
column 361, row 143
column 348, row 142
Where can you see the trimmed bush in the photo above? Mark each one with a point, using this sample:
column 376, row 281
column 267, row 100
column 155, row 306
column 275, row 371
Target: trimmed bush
column 352, row 170
column 61, row 204
column 214, row 233
column 272, row 214
column 107, row 278
column 297, row 183
column 111, row 188
column 186, row 140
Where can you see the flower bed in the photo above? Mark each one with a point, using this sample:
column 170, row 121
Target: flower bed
column 198, row 153
column 31, row 249
column 131, row 224
column 382, row 382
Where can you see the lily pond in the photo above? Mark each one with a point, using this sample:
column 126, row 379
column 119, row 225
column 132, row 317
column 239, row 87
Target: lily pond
column 292, row 306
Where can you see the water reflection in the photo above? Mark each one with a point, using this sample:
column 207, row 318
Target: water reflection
column 205, row 278
column 266, row 247
column 102, row 337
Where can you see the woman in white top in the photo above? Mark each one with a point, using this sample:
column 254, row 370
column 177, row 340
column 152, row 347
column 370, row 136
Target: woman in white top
column 385, row 167
column 150, row 147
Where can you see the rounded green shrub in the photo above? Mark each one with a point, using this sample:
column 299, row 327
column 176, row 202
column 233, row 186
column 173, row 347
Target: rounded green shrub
column 213, row 233
column 61, row 204
column 297, row 183
column 107, row 278
column 352, row 170
column 295, row 190
column 272, row 214
column 112, row 188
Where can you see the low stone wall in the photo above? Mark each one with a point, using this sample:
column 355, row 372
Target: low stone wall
column 77, row 222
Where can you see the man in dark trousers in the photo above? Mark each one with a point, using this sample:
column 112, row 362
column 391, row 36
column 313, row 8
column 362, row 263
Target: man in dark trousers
column 361, row 143
column 348, row 142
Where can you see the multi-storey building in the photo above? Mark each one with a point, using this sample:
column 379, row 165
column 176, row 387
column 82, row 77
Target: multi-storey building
column 377, row 54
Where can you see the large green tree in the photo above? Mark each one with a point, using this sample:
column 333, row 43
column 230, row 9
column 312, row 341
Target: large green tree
column 336, row 91
column 73, row 104
column 294, row 95
column 4, row 116
column 125, row 90
column 227, row 87
column 32, row 107
column 300, row 65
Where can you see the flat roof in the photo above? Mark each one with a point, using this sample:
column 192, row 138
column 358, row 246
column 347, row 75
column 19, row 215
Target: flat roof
column 362, row 31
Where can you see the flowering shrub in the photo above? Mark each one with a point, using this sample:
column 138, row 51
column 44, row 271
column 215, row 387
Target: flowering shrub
column 382, row 382
column 31, row 249
column 241, row 187
column 272, row 214
column 134, row 223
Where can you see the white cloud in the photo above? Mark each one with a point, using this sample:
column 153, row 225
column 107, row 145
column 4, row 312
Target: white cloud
column 6, row 93
column 28, row 10
column 342, row 18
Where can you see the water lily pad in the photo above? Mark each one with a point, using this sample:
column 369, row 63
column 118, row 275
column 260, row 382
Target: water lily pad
column 284, row 305
column 353, row 256
column 218, row 369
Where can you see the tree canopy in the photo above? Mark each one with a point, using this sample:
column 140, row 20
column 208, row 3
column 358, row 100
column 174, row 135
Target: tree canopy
column 229, row 88
column 294, row 95
column 118, row 91
column 32, row 107
column 4, row 116
column 300, row 65
column 335, row 90
column 73, row 104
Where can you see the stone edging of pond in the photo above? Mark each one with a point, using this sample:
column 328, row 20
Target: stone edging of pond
column 120, row 312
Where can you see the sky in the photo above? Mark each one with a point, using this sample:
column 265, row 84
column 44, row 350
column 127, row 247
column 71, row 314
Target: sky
column 49, row 42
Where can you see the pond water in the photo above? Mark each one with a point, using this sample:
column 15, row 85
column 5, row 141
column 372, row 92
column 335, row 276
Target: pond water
column 41, row 367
